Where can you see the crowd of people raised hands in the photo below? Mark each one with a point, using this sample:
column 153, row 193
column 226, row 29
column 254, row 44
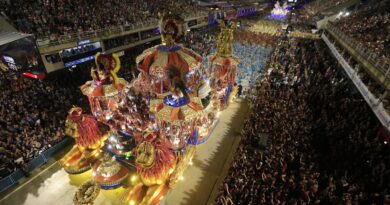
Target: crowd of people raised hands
column 323, row 144
column 66, row 17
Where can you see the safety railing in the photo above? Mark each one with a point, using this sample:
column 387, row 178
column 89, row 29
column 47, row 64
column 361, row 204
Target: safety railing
column 379, row 62
column 47, row 41
column 38, row 161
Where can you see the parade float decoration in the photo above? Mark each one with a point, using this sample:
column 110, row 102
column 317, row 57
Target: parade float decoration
column 178, row 81
column 153, row 62
column 155, row 122
column 86, row 193
column 89, row 140
column 154, row 161
column 109, row 173
column 104, row 92
column 121, row 145
column 134, row 110
column 176, row 112
column 204, row 93
column 223, row 66
column 279, row 11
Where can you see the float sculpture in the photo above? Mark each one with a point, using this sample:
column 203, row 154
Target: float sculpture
column 105, row 89
column 223, row 66
column 89, row 140
column 153, row 123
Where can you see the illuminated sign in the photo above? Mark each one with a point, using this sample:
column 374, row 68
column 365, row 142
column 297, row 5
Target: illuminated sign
column 83, row 42
column 78, row 61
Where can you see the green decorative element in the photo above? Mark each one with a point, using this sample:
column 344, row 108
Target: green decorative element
column 128, row 155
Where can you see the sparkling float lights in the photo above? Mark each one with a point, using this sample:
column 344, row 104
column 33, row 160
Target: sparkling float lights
column 143, row 135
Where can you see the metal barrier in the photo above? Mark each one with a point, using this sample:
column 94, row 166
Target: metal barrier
column 13, row 178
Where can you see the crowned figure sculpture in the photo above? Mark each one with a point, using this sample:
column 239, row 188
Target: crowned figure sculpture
column 223, row 67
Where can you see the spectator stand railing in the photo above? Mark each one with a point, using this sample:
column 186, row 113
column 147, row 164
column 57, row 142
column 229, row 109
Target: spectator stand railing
column 374, row 102
column 48, row 41
column 38, row 161
column 319, row 6
column 374, row 59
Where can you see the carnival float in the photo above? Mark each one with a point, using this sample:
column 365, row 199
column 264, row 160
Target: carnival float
column 142, row 135
column 223, row 67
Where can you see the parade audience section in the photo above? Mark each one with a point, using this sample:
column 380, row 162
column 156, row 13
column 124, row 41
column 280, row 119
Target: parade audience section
column 325, row 146
column 67, row 17
column 368, row 26
column 32, row 116
column 310, row 138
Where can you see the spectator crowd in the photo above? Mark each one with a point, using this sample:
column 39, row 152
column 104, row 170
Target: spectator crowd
column 77, row 51
column 68, row 17
column 369, row 27
column 32, row 114
column 316, row 6
column 201, row 40
column 324, row 144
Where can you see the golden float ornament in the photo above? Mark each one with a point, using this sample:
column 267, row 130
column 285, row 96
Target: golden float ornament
column 154, row 161
column 86, row 193
column 89, row 140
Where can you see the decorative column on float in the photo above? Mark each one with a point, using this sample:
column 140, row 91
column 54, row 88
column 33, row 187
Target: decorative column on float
column 223, row 66
column 173, row 74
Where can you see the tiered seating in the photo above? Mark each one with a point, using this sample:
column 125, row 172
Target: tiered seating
column 67, row 17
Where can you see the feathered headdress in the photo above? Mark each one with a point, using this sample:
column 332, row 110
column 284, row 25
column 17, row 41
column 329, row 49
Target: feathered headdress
column 109, row 63
column 75, row 113
column 172, row 24
column 87, row 127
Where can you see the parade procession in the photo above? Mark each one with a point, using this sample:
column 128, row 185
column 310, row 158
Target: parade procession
column 179, row 102
column 142, row 135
